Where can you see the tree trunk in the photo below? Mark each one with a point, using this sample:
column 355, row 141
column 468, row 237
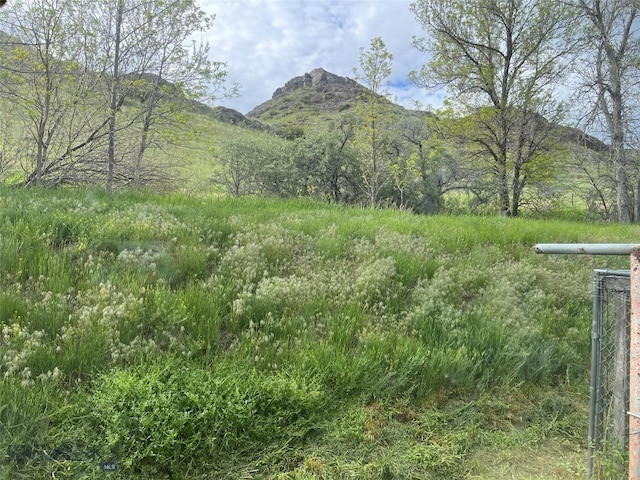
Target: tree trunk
column 115, row 93
column 144, row 143
column 503, row 185
column 636, row 200
column 617, row 129
column 610, row 96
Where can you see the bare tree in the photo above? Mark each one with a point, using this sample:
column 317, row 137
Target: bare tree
column 50, row 90
column 610, row 77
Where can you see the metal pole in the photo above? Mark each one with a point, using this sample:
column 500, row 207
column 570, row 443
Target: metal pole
column 594, row 384
column 586, row 248
column 634, row 369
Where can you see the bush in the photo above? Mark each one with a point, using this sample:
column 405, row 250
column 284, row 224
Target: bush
column 171, row 416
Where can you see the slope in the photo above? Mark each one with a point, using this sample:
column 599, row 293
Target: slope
column 312, row 100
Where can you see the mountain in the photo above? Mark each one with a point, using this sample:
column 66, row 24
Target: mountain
column 310, row 99
column 316, row 97
column 318, row 91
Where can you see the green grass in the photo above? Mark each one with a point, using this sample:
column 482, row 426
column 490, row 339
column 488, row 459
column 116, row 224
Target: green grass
column 262, row 338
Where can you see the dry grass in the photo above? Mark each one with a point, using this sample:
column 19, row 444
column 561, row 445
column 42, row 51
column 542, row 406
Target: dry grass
column 551, row 460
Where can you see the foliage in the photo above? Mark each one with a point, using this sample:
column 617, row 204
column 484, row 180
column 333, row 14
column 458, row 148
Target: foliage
column 89, row 83
column 501, row 60
column 374, row 119
column 608, row 87
column 173, row 417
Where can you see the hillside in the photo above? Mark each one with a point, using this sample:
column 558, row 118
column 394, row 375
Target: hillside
column 189, row 148
column 318, row 96
column 313, row 98
column 318, row 91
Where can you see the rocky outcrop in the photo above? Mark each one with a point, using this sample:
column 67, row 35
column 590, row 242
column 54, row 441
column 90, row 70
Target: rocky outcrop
column 317, row 90
column 229, row 115
column 319, row 79
column 574, row 135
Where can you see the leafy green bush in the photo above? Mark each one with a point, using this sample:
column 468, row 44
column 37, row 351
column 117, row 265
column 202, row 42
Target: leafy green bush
column 172, row 416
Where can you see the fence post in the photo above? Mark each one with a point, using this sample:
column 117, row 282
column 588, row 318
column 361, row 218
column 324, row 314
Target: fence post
column 634, row 366
column 594, row 384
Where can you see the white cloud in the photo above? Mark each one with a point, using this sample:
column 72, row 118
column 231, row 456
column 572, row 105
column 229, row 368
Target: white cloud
column 267, row 42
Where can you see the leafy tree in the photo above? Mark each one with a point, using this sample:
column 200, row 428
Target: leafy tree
column 327, row 165
column 404, row 171
column 149, row 59
column 237, row 172
column 177, row 74
column 98, row 80
column 260, row 165
column 122, row 28
column 375, row 118
column 417, row 168
column 500, row 59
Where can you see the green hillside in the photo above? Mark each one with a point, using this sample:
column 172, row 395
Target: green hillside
column 182, row 338
column 308, row 140
column 314, row 100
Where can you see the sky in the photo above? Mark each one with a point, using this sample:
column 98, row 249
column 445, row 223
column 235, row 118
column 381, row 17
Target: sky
column 265, row 43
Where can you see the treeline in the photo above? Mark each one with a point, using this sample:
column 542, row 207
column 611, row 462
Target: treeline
column 515, row 71
column 419, row 171
column 328, row 165
column 465, row 157
column 99, row 92
column 94, row 92
column 508, row 64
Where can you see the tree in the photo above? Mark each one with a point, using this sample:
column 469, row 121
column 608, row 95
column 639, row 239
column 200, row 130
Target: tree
column 178, row 71
column 237, row 167
column 417, row 167
column 98, row 80
column 147, row 48
column 500, row 60
column 47, row 86
column 610, row 74
column 256, row 165
column 326, row 163
column 375, row 115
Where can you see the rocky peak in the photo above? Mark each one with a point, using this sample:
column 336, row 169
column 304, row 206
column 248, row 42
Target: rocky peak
column 315, row 91
column 317, row 78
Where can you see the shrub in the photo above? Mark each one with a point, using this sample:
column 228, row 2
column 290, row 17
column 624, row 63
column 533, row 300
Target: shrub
column 171, row 416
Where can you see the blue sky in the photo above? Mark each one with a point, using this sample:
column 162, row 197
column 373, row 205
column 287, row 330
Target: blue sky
column 267, row 42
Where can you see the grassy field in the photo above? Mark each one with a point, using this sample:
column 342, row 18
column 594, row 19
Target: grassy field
column 173, row 337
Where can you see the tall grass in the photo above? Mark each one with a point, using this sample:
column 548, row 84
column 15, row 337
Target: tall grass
column 201, row 335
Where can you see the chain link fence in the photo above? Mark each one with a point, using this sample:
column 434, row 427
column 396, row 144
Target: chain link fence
column 609, row 396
